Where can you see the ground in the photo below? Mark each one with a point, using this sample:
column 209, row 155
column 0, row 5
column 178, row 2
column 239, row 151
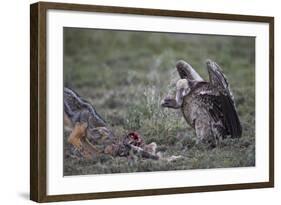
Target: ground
column 125, row 75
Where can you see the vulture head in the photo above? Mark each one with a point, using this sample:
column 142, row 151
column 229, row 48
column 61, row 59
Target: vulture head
column 189, row 78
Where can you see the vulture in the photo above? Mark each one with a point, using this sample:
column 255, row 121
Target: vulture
column 207, row 106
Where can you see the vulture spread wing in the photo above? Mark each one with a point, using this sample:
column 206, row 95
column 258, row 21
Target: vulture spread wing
column 220, row 100
column 187, row 72
column 76, row 108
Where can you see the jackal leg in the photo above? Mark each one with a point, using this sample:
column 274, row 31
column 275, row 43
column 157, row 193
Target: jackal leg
column 78, row 138
column 77, row 134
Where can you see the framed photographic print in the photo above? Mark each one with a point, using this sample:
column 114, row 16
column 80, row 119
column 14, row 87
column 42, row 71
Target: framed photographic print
column 134, row 102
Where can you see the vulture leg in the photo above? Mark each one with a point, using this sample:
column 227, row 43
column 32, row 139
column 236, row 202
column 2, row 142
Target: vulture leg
column 205, row 133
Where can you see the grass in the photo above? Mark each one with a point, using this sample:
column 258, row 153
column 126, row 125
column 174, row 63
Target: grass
column 125, row 75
